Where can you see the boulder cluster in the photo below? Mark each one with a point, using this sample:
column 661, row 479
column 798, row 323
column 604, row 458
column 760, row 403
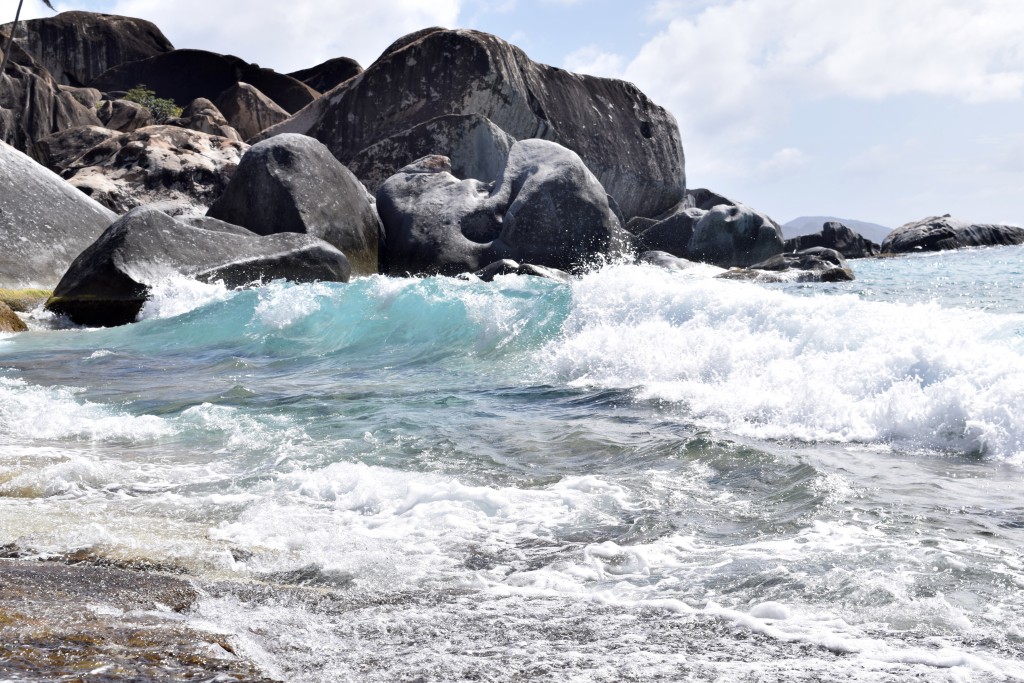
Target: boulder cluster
column 454, row 153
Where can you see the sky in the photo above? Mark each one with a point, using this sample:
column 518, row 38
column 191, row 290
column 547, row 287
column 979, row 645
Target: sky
column 885, row 111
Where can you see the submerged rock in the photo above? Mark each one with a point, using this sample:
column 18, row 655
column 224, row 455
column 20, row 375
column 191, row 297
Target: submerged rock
column 629, row 143
column 940, row 233
column 836, row 236
column 110, row 281
column 44, row 222
column 510, row 267
column 292, row 183
column 816, row 264
column 548, row 209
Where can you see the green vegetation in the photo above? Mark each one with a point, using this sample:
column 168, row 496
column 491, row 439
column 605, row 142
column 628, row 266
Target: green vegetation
column 23, row 300
column 161, row 108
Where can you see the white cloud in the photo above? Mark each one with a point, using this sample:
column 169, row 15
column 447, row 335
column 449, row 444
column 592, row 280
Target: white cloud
column 290, row 35
column 785, row 160
column 593, row 61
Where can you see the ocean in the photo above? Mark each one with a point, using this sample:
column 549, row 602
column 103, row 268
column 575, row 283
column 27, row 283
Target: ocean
column 644, row 475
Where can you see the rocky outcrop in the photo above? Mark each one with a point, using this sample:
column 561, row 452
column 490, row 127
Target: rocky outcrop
column 124, row 116
column 166, row 164
column 835, row 236
column 939, row 233
column 816, row 264
column 110, row 281
column 476, row 147
column 292, row 183
column 76, row 47
column 33, row 105
column 44, row 222
column 185, row 75
column 714, row 229
column 548, row 209
column 630, row 144
column 510, row 267
column 58, row 151
column 663, row 259
column 9, row 320
column 249, row 111
column 327, row 76
column 202, row 115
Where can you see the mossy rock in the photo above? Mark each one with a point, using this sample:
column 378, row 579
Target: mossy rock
column 9, row 320
column 24, row 300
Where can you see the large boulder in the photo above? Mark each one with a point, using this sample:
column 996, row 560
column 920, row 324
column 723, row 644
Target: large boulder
column 476, row 147
column 125, row 116
column 60, row 150
column 111, row 280
column 249, row 111
column 76, row 47
column 547, row 209
column 816, row 264
column 939, row 233
column 835, row 236
column 44, row 222
column 184, row 75
column 327, row 76
column 292, row 183
column 201, row 114
column 631, row 144
column 711, row 228
column 33, row 105
column 166, row 164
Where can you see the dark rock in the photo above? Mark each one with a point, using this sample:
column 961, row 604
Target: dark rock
column 637, row 224
column 630, row 144
column 157, row 164
column 124, row 116
column 60, row 150
column 711, row 228
column 110, row 281
column 292, row 183
column 44, row 222
column 202, row 115
column 548, row 209
column 476, row 147
column 835, row 236
column 9, row 320
column 510, row 267
column 327, row 76
column 87, row 97
column 939, row 233
column 816, row 264
column 249, row 111
column 32, row 105
column 185, row 75
column 76, row 47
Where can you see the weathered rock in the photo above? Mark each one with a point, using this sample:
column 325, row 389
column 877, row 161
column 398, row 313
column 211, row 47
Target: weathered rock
column 157, row 164
column 292, row 183
column 548, row 209
column 836, row 236
column 184, row 75
column 476, row 147
column 816, row 264
column 663, row 259
column 32, row 105
column 44, row 222
column 9, row 320
column 327, row 76
column 202, row 115
column 59, row 150
column 510, row 267
column 939, row 233
column 249, row 111
column 76, row 47
column 110, row 281
column 87, row 97
column 630, row 144
column 124, row 116
column 714, row 229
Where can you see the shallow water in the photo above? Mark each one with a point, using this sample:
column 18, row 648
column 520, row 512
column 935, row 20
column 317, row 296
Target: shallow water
column 644, row 475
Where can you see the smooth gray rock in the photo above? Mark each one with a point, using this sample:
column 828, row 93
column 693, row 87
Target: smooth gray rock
column 548, row 209
column 292, row 183
column 202, row 115
column 836, row 236
column 330, row 74
column 714, row 229
column 124, row 116
column 510, row 267
column 44, row 222
column 60, row 150
column 249, row 111
column 157, row 164
column 476, row 147
column 816, row 264
column 939, row 233
column 631, row 144
column 110, row 281
column 76, row 47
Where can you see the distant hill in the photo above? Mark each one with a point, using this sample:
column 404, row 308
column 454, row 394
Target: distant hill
column 808, row 225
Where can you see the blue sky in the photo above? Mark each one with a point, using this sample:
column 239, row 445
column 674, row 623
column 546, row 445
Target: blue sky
column 880, row 110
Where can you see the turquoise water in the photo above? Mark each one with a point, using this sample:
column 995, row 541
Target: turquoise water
column 644, row 475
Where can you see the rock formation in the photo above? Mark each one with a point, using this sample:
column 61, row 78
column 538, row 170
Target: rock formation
column 835, row 236
column 249, row 111
column 944, row 232
column 60, row 150
column 330, row 74
column 124, row 116
column 816, row 264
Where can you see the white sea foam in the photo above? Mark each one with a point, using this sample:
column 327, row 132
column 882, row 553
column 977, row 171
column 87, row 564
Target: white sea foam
column 764, row 363
column 176, row 296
